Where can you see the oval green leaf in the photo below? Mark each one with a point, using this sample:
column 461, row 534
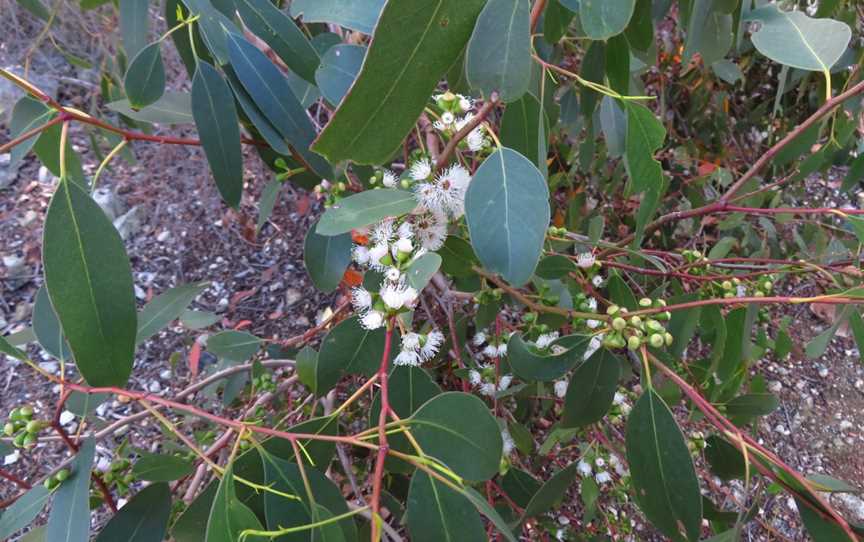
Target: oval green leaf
column 165, row 308
column 142, row 519
column 436, row 512
column 555, row 267
column 145, row 79
column 46, row 327
column 602, row 19
column 89, row 282
column 551, row 492
column 396, row 80
column 458, row 429
column 499, row 51
column 339, row 67
column 216, row 119
column 236, row 346
column 420, row 271
column 359, row 15
column 228, row 516
column 172, row 108
column 365, row 208
column 161, row 468
column 530, row 364
column 326, row 257
column 23, row 511
column 507, row 210
column 348, row 349
column 591, row 389
column 664, row 478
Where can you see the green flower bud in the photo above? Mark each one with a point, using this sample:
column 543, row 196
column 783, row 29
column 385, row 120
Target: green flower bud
column 529, row 317
column 33, row 426
column 50, row 483
column 635, row 321
column 15, row 414
column 618, row 323
column 668, row 338
column 612, row 310
column 759, row 293
column 654, row 325
column 29, row 440
column 62, row 475
column 26, row 412
column 727, row 285
column 108, row 477
column 633, row 342
column 645, row 302
column 656, row 340
column 128, row 479
column 659, row 302
column 767, row 285
column 404, row 183
column 386, row 260
column 18, row 441
column 9, row 429
column 543, row 328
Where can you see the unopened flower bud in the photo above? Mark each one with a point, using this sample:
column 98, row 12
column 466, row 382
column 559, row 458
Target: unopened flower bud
column 618, row 324
column 656, row 340
column 633, row 342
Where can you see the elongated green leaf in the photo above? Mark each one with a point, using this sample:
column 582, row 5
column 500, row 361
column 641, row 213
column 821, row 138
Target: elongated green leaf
column 395, row 82
column 161, row 468
column 89, row 282
column 143, row 519
column 172, row 108
column 236, row 346
column 69, row 520
column 270, row 91
column 662, row 471
column 507, row 210
column 640, row 31
column 551, row 492
column 280, row 33
column 420, row 272
column 725, row 459
column 520, row 127
column 820, row 528
column 213, row 26
column 47, row 149
column 710, row 30
column 23, row 511
column 339, row 67
column 591, row 389
column 794, row 39
column 145, row 79
column 285, row 476
column 499, row 51
column 753, row 404
column 26, row 115
column 7, row 348
column 359, row 15
column 326, row 257
column 530, row 364
column 365, row 208
column 198, row 319
column 457, row 429
column 555, row 267
column 602, row 19
column 436, row 512
column 614, row 124
column 487, row 510
column 348, row 349
column 133, row 25
column 216, row 119
column 35, row 7
column 192, row 523
column 165, row 308
column 645, row 134
column 228, row 516
column 47, row 328
column 265, row 128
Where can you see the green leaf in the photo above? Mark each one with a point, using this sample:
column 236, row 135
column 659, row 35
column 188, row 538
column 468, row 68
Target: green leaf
column 499, row 51
column 321, row 451
column 35, row 7
column 725, row 459
column 359, row 15
column 89, row 281
column 161, row 468
column 23, row 511
column 458, row 429
column 338, row 70
column 27, row 114
column 46, row 327
column 554, row 267
column 143, row 519
column 365, row 208
column 662, row 471
column 457, row 257
column 267, row 201
column 7, row 348
column 265, row 128
column 613, row 122
column 520, row 486
column 507, row 211
column 645, row 135
column 420, row 271
column 133, row 25
column 145, row 79
column 820, row 528
column 216, row 119
column 551, row 492
column 213, row 26
column 591, row 389
column 47, row 149
column 165, row 308
column 285, row 476
column 529, row 363
column 709, row 32
column 602, row 19
column 279, row 32
column 236, row 346
column 436, row 512
column 326, row 257
column 829, row 484
column 306, row 363
column 348, row 349
column 192, row 523
column 172, row 108
column 82, row 404
column 228, row 516
column 520, row 127
column 794, row 39
column 640, row 31
column 269, row 89
column 193, row 319
column 69, row 519
column 395, row 82
column 752, row 404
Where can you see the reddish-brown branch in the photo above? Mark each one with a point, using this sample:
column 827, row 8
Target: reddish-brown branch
column 97, row 478
column 723, row 423
column 14, row 479
column 789, row 210
column 378, row 476
column 475, row 121
column 28, row 134
column 536, row 11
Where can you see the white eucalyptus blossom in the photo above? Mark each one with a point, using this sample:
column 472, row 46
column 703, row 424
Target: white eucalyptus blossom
column 545, row 340
column 446, row 193
column 479, row 338
column 585, row 260
column 411, row 341
column 584, row 468
column 361, row 298
column 372, row 320
column 490, row 351
column 434, row 339
column 592, row 304
column 593, row 345
column 602, row 477
column 507, row 440
column 360, row 254
column 430, row 229
column 408, row 358
column 403, row 244
column 376, row 252
column 597, row 281
column 592, row 324
column 560, row 387
column 475, row 377
column 392, row 274
column 389, row 179
column 477, row 140
column 464, row 103
column 502, row 350
column 420, row 170
column 382, row 232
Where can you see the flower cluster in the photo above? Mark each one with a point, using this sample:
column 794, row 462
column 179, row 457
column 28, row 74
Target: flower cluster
column 483, row 378
column 490, row 346
column 452, row 105
column 596, row 465
column 418, row 348
column 635, row 331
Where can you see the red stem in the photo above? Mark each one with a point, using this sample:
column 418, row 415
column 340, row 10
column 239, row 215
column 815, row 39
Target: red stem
column 97, row 479
column 14, row 479
column 383, row 448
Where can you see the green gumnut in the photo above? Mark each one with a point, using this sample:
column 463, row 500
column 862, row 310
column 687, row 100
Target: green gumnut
column 26, row 411
column 633, row 342
column 656, row 340
column 618, row 324
column 9, row 429
column 62, row 475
